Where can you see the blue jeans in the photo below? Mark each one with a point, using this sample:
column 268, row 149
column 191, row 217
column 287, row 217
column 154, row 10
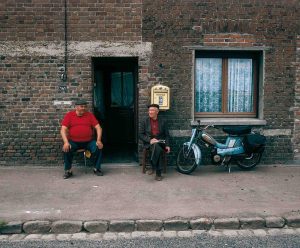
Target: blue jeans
column 90, row 145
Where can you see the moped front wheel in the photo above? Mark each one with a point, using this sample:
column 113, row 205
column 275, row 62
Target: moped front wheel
column 186, row 160
column 249, row 161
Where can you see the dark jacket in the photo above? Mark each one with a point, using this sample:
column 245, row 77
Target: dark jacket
column 145, row 133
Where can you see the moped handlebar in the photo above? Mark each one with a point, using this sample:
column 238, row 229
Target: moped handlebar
column 199, row 128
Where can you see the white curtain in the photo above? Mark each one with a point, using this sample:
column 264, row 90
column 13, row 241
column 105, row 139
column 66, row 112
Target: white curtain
column 208, row 87
column 240, row 86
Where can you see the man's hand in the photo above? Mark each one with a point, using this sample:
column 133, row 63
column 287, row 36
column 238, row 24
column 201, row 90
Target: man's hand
column 99, row 144
column 152, row 141
column 66, row 147
column 168, row 149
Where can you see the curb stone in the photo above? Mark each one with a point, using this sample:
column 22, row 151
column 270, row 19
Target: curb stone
column 293, row 220
column 37, row 226
column 12, row 227
column 62, row 226
column 33, row 237
column 138, row 234
column 201, row 224
column 64, row 237
column 96, row 226
column 227, row 223
column 176, row 225
column 149, row 225
column 245, row 233
column 128, row 226
column 79, row 236
column 122, row 226
column 274, row 222
column 185, row 234
column 124, row 235
column 252, row 223
column 109, row 236
column 15, row 236
column 160, row 234
column 169, row 234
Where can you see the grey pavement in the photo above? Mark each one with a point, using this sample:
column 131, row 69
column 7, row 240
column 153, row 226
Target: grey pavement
column 240, row 199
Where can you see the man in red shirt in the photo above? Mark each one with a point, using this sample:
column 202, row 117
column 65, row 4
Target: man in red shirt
column 153, row 132
column 77, row 133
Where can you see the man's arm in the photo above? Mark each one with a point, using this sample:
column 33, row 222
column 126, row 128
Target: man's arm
column 142, row 134
column 99, row 136
column 64, row 133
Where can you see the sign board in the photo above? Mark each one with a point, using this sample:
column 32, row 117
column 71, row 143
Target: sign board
column 160, row 95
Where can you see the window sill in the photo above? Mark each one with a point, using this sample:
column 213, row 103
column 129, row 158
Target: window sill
column 230, row 121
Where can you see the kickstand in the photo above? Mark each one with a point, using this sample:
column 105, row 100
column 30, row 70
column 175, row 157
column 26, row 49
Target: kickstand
column 226, row 163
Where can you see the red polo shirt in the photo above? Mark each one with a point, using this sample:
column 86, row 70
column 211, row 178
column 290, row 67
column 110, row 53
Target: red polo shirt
column 80, row 127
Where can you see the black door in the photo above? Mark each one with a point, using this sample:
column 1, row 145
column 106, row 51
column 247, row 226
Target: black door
column 114, row 104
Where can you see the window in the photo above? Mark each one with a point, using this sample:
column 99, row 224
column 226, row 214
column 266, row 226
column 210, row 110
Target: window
column 226, row 83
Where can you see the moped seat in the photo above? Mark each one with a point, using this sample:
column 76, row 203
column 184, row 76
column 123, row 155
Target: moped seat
column 237, row 130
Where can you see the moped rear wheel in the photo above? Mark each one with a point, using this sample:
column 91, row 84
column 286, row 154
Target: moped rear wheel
column 249, row 161
column 186, row 161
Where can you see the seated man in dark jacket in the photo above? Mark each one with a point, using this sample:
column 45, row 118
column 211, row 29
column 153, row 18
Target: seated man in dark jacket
column 155, row 137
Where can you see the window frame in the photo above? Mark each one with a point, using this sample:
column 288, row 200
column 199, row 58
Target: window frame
column 225, row 55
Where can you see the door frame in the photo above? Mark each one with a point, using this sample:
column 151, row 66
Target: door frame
column 100, row 63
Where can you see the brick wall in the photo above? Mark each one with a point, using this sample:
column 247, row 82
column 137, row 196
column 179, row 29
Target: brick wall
column 32, row 61
column 158, row 33
column 87, row 20
column 175, row 25
column 296, row 137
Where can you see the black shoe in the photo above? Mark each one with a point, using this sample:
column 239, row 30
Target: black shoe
column 98, row 172
column 158, row 178
column 68, row 174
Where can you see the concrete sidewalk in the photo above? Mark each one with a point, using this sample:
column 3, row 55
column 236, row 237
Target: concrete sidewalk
column 38, row 193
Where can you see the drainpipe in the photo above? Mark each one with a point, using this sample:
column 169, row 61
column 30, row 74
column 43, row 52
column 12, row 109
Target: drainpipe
column 64, row 75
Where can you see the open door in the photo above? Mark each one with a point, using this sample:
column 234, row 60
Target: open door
column 115, row 107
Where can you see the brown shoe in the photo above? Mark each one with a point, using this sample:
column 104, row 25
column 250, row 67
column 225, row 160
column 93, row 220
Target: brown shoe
column 158, row 178
column 150, row 172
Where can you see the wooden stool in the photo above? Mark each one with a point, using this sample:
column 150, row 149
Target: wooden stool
column 146, row 154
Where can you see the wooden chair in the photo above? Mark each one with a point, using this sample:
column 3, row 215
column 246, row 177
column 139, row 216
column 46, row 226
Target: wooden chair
column 146, row 155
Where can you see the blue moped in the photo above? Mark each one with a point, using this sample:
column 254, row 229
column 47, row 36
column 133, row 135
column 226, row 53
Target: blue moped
column 242, row 145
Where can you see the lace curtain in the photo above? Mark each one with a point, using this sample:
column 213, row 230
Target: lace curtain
column 208, row 85
column 240, row 87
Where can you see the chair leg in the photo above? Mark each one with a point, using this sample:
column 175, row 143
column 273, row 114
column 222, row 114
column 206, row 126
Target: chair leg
column 144, row 161
column 85, row 166
column 165, row 163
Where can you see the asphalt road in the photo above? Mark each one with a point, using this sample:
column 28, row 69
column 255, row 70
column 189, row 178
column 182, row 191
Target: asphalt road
column 290, row 241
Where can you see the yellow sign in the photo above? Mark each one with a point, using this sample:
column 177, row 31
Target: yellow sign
column 160, row 95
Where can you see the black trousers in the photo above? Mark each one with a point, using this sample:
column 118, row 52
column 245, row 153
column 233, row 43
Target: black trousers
column 156, row 151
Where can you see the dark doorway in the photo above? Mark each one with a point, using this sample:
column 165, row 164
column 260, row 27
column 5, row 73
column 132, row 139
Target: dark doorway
column 115, row 81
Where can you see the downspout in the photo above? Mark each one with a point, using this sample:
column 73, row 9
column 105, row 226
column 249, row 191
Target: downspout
column 64, row 75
